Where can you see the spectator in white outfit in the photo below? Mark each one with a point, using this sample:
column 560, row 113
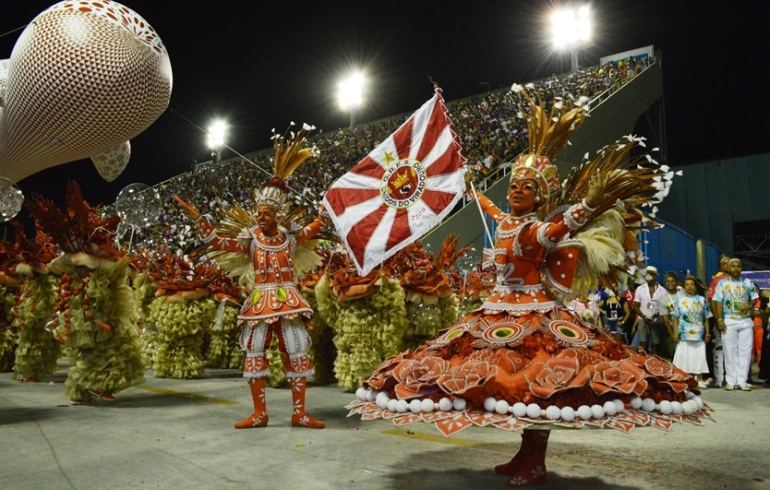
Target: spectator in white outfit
column 733, row 302
column 647, row 305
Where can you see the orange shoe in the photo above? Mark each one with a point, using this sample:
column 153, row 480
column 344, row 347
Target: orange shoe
column 300, row 418
column 307, row 421
column 254, row 420
column 259, row 417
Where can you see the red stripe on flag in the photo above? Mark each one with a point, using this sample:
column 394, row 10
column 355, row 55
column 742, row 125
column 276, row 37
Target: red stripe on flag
column 447, row 163
column 360, row 234
column 400, row 230
column 369, row 167
column 403, row 138
column 342, row 197
column 436, row 125
column 437, row 200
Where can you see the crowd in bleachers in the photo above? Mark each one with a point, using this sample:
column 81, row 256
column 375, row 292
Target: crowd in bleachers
column 490, row 126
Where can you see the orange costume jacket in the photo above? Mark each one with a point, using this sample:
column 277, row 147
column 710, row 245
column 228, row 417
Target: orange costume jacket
column 525, row 246
column 275, row 293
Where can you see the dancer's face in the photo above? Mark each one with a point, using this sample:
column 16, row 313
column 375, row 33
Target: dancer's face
column 689, row 287
column 670, row 283
column 734, row 269
column 266, row 220
column 521, row 196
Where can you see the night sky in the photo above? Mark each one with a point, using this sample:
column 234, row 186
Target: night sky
column 260, row 65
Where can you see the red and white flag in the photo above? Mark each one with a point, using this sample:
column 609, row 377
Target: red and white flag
column 401, row 189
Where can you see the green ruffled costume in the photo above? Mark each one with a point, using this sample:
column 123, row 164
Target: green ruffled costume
column 144, row 293
column 367, row 330
column 224, row 351
column 105, row 361
column 7, row 333
column 181, row 325
column 38, row 348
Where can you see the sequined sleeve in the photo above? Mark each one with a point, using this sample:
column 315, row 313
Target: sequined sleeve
column 312, row 229
column 548, row 234
column 209, row 235
column 488, row 206
column 577, row 215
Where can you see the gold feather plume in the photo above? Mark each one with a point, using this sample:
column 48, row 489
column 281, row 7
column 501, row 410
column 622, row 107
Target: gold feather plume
column 610, row 246
column 291, row 152
column 548, row 136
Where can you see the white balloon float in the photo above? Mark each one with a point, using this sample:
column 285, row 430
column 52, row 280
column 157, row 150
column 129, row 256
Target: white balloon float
column 84, row 78
column 138, row 205
column 11, row 200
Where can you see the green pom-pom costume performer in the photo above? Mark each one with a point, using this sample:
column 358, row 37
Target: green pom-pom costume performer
column 369, row 319
column 38, row 349
column 95, row 316
column 274, row 306
column 9, row 292
column 7, row 334
column 144, row 294
column 181, row 311
column 223, row 351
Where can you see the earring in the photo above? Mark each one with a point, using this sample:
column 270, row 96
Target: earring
column 537, row 198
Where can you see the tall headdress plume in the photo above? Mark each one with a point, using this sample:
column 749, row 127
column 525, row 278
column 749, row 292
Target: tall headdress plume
column 549, row 132
column 290, row 153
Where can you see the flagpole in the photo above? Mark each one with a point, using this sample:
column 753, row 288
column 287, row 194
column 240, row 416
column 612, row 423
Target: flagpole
column 483, row 220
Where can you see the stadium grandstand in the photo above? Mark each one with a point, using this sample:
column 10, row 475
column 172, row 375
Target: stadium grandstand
column 490, row 125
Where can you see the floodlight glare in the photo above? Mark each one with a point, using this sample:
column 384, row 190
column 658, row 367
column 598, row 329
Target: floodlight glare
column 571, row 26
column 351, row 91
column 216, row 134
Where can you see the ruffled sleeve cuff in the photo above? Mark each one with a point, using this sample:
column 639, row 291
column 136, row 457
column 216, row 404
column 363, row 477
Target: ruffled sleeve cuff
column 205, row 229
column 578, row 215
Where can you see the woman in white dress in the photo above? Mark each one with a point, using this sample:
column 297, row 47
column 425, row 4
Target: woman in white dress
column 691, row 330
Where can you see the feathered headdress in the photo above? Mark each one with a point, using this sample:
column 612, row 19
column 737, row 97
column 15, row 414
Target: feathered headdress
column 548, row 133
column 290, row 153
column 80, row 228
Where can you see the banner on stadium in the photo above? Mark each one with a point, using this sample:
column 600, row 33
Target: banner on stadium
column 401, row 189
column 645, row 52
column 760, row 278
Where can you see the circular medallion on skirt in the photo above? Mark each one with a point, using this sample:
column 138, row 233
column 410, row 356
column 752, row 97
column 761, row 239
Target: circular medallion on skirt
column 568, row 334
column 503, row 333
column 403, row 183
column 452, row 334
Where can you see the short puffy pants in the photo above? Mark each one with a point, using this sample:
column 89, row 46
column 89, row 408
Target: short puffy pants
column 293, row 342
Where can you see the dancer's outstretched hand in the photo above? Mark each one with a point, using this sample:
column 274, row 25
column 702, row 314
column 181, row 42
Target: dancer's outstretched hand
column 596, row 190
column 191, row 211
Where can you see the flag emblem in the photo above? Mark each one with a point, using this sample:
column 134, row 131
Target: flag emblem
column 401, row 190
column 403, row 183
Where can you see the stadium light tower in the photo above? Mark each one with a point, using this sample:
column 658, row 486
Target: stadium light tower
column 572, row 30
column 350, row 95
column 215, row 138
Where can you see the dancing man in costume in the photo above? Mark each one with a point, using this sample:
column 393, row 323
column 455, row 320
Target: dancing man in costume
column 523, row 360
column 274, row 305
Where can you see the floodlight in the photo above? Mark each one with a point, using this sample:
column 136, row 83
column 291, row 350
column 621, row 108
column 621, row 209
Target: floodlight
column 571, row 26
column 351, row 91
column 216, row 135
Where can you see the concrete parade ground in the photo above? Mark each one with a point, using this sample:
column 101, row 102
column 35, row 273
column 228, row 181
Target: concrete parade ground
column 179, row 434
